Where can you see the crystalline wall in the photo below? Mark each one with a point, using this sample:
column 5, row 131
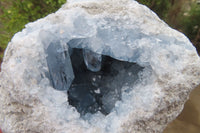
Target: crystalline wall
column 38, row 63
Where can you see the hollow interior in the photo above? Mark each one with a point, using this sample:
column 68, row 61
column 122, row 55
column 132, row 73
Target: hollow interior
column 91, row 92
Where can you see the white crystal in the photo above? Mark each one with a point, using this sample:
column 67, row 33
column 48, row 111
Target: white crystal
column 60, row 67
column 92, row 60
column 97, row 91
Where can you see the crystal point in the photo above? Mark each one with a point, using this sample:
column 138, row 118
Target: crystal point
column 92, row 60
column 59, row 64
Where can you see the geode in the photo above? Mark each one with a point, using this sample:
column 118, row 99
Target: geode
column 96, row 66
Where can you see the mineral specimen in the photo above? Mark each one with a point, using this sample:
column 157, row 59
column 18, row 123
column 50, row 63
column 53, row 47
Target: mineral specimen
column 96, row 66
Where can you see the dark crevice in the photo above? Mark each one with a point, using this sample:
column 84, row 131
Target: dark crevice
column 91, row 92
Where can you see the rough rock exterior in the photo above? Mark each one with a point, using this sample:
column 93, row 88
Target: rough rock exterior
column 122, row 29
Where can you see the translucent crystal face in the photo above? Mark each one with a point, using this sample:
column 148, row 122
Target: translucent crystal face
column 92, row 60
column 59, row 64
